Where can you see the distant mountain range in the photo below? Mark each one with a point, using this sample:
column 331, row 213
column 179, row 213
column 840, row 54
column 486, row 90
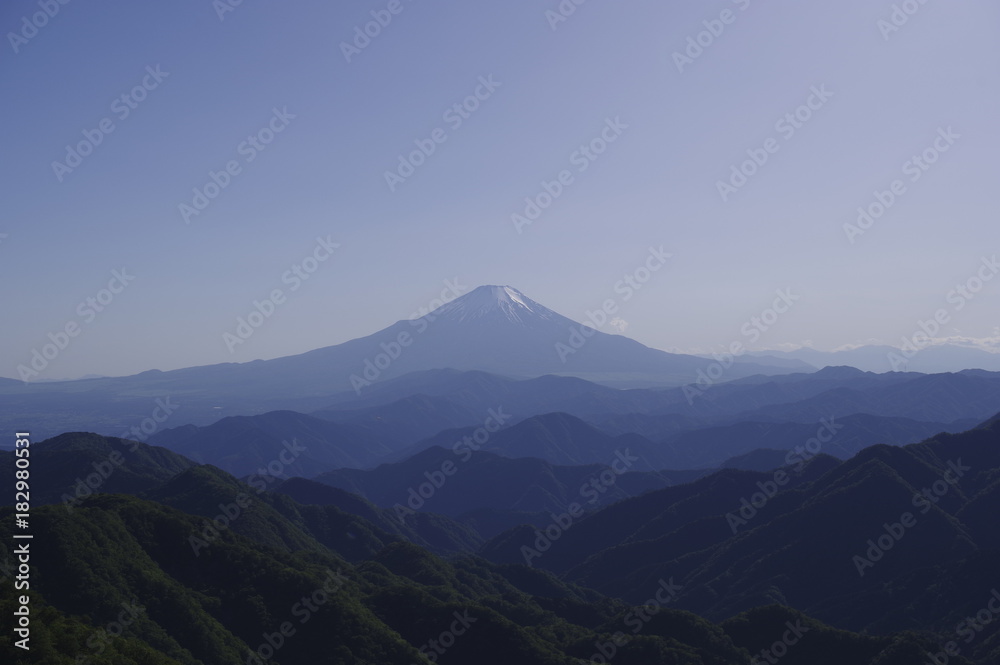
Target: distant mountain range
column 569, row 421
column 495, row 329
column 931, row 359
column 243, row 444
column 492, row 342
column 968, row 396
column 487, row 480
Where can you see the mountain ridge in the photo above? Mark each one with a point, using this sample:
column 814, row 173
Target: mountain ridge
column 492, row 328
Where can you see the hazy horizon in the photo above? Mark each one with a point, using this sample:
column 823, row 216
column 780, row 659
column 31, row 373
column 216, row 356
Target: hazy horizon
column 612, row 324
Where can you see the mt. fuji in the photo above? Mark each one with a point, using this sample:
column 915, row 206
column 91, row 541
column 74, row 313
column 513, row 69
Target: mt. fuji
column 495, row 329
column 500, row 330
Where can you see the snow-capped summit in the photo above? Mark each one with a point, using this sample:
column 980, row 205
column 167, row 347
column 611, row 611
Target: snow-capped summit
column 494, row 329
column 495, row 303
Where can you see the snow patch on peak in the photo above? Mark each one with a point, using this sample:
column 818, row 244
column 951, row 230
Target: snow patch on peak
column 494, row 301
column 514, row 294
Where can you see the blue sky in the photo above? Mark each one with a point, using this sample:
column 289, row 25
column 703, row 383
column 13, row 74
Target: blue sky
column 890, row 94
